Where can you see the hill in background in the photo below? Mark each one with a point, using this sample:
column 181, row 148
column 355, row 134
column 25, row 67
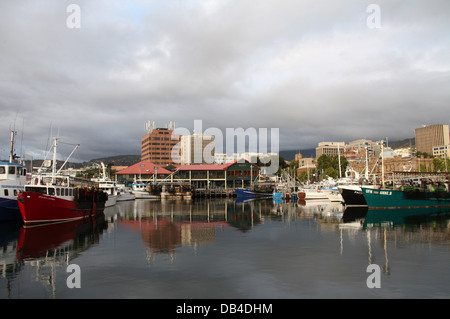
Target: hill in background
column 128, row 160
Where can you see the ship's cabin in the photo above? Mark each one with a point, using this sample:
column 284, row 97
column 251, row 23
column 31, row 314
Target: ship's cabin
column 51, row 190
column 12, row 171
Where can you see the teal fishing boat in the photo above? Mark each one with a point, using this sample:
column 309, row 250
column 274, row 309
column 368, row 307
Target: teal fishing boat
column 407, row 197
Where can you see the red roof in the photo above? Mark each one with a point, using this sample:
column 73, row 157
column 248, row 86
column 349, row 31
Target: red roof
column 207, row 167
column 144, row 168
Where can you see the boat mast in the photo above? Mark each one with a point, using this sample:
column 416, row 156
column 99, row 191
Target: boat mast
column 339, row 161
column 11, row 151
column 55, row 142
column 382, row 164
column 367, row 166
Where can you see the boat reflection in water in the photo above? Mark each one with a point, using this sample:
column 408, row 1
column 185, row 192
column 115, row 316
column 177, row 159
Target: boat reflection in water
column 63, row 239
column 235, row 235
column 45, row 248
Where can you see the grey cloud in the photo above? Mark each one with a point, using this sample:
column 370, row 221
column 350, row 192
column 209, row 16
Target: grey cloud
column 311, row 68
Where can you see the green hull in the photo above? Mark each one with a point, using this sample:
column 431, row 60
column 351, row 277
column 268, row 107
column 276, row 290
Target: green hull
column 399, row 199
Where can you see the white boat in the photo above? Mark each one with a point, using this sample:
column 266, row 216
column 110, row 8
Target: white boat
column 12, row 182
column 124, row 193
column 333, row 194
column 141, row 192
column 311, row 193
column 13, row 177
column 108, row 186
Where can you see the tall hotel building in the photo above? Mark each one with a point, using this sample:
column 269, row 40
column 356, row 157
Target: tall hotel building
column 158, row 144
column 431, row 136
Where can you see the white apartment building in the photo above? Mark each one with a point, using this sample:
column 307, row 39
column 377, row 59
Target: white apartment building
column 197, row 149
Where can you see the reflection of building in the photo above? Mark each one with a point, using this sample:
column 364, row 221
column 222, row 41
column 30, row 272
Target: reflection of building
column 429, row 136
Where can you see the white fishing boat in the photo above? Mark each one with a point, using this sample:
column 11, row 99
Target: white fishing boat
column 333, row 194
column 108, row 186
column 312, row 194
column 13, row 178
column 124, row 193
column 140, row 190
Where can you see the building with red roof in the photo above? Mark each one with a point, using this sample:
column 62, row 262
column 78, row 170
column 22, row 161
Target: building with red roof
column 231, row 175
column 143, row 171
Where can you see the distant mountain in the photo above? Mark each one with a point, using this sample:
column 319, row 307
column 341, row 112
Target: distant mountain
column 407, row 142
column 119, row 160
column 289, row 155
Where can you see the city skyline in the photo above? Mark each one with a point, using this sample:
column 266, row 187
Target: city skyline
column 93, row 73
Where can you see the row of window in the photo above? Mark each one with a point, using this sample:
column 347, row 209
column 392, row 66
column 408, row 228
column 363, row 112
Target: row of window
column 18, row 170
column 51, row 191
column 6, row 192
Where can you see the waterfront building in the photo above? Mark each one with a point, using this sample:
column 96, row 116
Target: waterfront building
column 240, row 173
column 430, row 136
column 393, row 164
column 144, row 171
column 330, row 148
column 157, row 146
column 197, row 149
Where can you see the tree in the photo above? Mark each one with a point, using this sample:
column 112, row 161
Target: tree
column 325, row 162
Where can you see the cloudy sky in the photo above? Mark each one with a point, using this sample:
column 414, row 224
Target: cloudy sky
column 317, row 70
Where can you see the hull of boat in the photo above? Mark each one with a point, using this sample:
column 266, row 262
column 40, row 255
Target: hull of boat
column 39, row 208
column 312, row 194
column 398, row 199
column 353, row 196
column 144, row 195
column 248, row 193
column 9, row 209
column 125, row 196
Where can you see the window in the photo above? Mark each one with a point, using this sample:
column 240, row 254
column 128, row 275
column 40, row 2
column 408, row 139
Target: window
column 2, row 170
column 6, row 192
column 11, row 170
column 51, row 191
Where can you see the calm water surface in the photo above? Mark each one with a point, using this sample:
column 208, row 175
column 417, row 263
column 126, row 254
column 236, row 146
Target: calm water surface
column 227, row 249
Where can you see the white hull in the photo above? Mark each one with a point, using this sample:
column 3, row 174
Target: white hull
column 308, row 194
column 112, row 199
column 333, row 195
column 125, row 196
column 144, row 195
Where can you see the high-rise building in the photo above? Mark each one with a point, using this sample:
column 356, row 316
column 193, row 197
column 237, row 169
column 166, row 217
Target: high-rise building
column 159, row 145
column 330, row 148
column 197, row 149
column 430, row 136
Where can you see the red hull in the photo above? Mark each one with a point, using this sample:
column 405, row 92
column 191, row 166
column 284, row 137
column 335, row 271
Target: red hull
column 39, row 208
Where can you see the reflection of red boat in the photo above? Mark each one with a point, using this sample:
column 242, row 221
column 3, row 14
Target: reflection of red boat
column 36, row 240
column 44, row 204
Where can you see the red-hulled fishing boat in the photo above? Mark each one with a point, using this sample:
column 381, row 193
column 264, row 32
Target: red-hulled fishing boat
column 55, row 197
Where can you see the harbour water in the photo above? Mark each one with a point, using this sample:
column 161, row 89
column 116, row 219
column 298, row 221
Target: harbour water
column 223, row 248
